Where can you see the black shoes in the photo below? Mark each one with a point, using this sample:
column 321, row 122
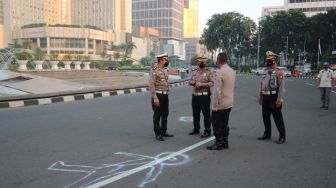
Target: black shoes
column 322, row 106
column 218, row 146
column 159, row 138
column 194, row 132
column 205, row 134
column 326, row 108
column 167, row 135
column 281, row 141
column 264, row 137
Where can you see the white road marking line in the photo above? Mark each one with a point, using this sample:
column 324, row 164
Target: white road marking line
column 143, row 167
column 310, row 84
column 314, row 86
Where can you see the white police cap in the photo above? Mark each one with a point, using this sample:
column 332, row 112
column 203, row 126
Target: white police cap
column 162, row 55
column 270, row 55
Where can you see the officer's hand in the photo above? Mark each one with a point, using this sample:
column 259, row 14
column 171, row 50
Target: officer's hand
column 215, row 109
column 156, row 102
column 278, row 104
column 192, row 82
column 198, row 84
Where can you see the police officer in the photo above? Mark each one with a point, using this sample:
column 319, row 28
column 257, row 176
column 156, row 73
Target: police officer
column 159, row 89
column 201, row 80
column 271, row 97
column 325, row 83
column 222, row 102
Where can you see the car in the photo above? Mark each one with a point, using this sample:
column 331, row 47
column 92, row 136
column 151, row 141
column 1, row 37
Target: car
column 258, row 71
column 286, row 71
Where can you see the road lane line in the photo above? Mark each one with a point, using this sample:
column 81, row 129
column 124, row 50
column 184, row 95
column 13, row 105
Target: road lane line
column 143, row 167
column 310, row 84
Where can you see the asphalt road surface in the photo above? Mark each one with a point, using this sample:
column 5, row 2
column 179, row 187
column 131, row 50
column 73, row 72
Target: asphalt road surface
column 109, row 142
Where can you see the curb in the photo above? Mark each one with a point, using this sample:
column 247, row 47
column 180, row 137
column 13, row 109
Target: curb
column 33, row 101
column 300, row 77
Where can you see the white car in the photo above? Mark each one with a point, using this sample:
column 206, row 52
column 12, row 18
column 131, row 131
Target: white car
column 258, row 71
column 287, row 72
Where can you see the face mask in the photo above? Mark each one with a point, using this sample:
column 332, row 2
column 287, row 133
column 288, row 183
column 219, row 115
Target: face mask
column 201, row 65
column 166, row 64
column 325, row 68
column 269, row 62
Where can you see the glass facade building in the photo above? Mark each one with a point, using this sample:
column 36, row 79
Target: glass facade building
column 164, row 15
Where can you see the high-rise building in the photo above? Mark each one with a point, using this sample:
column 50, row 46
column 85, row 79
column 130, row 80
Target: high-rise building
column 309, row 7
column 17, row 13
column 191, row 37
column 167, row 17
column 105, row 14
column 190, row 18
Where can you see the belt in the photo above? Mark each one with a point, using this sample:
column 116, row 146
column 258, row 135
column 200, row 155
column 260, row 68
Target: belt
column 200, row 93
column 162, row 92
column 268, row 92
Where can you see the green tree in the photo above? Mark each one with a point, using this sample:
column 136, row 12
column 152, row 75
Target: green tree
column 230, row 32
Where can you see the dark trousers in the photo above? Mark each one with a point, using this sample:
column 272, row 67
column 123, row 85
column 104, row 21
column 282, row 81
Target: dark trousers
column 201, row 103
column 268, row 108
column 160, row 113
column 325, row 95
column 220, row 124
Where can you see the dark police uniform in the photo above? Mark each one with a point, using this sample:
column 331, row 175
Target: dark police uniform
column 159, row 89
column 201, row 99
column 272, row 90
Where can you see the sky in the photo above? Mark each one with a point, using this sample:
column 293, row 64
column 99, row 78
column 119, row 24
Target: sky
column 249, row 8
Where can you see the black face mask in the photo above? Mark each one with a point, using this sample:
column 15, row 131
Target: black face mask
column 201, row 65
column 269, row 62
column 325, row 68
column 166, row 64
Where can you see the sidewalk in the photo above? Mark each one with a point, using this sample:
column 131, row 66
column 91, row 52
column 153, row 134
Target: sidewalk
column 46, row 87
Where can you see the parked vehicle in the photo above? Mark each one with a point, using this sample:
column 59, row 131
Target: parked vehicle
column 258, row 71
column 287, row 72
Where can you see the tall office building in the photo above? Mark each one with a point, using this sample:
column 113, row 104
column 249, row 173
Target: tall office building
column 167, row 17
column 309, row 7
column 190, row 18
column 17, row 13
column 106, row 14
column 191, row 33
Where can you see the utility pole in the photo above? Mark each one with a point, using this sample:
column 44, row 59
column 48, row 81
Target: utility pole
column 258, row 50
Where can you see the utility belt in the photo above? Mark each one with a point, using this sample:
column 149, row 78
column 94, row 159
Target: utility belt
column 162, row 92
column 269, row 92
column 200, row 93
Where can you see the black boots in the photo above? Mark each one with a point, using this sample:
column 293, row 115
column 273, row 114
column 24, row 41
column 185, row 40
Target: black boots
column 219, row 144
column 264, row 137
column 159, row 138
column 281, row 141
column 194, row 132
column 206, row 134
column 166, row 135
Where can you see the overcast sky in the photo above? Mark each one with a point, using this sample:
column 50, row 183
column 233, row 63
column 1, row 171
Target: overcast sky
column 249, row 8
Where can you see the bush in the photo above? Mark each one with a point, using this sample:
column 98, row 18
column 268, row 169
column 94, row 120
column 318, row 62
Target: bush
column 13, row 67
column 61, row 64
column 46, row 65
column 31, row 65
column 23, row 55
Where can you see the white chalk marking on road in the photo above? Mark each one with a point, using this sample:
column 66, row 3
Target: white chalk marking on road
column 148, row 165
column 186, row 119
